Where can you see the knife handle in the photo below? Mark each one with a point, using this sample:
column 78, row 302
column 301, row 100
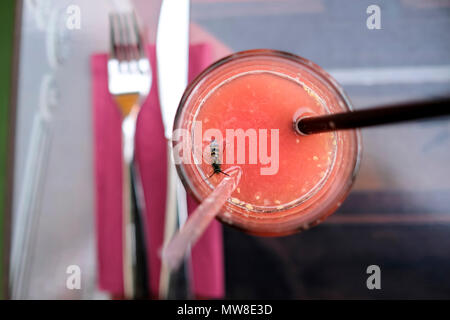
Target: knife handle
column 170, row 223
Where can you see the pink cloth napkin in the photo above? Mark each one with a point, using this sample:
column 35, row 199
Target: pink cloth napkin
column 207, row 254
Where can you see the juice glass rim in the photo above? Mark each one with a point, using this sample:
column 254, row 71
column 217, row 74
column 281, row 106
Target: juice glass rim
column 314, row 70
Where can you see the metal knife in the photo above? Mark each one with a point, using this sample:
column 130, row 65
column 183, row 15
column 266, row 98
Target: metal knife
column 172, row 54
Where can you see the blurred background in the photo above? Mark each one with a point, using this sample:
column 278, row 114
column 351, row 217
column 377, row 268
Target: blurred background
column 396, row 217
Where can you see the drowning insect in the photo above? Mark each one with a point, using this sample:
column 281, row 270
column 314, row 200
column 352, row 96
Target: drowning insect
column 215, row 158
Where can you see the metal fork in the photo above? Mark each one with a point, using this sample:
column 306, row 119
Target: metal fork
column 129, row 81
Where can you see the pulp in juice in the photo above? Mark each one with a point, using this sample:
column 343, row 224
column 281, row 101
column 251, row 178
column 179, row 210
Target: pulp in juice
column 268, row 101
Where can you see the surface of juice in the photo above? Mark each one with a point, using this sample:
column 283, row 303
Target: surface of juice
column 267, row 101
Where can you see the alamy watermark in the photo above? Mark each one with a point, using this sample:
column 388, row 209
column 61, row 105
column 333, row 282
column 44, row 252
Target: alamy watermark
column 73, row 281
column 374, row 280
column 73, row 21
column 373, row 21
column 232, row 148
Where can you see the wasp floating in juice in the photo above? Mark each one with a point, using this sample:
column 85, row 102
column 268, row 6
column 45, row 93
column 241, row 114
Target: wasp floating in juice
column 215, row 158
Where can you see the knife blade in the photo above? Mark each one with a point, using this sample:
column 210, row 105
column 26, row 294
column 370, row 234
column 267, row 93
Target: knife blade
column 172, row 53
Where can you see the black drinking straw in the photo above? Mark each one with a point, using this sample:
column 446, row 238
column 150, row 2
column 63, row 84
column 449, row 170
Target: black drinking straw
column 374, row 116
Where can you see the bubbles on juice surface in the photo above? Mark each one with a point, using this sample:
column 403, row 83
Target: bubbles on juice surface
column 267, row 101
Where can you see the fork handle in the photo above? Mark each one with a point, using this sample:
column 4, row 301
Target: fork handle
column 128, row 233
column 141, row 289
column 136, row 277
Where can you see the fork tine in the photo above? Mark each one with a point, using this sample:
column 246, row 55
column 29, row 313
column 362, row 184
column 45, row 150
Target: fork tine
column 118, row 37
column 129, row 43
column 112, row 37
column 138, row 36
column 121, row 39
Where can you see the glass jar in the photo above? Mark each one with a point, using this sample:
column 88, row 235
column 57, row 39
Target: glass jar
column 319, row 200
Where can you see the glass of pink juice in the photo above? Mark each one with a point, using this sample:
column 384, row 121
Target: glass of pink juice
column 240, row 112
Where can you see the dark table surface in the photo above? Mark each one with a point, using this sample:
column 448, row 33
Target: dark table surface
column 398, row 214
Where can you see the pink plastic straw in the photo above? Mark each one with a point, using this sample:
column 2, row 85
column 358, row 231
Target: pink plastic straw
column 173, row 253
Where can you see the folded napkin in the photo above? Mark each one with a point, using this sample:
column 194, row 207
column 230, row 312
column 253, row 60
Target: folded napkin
column 207, row 254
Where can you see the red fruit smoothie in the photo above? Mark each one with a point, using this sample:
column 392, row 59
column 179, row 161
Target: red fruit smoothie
column 269, row 101
column 259, row 91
